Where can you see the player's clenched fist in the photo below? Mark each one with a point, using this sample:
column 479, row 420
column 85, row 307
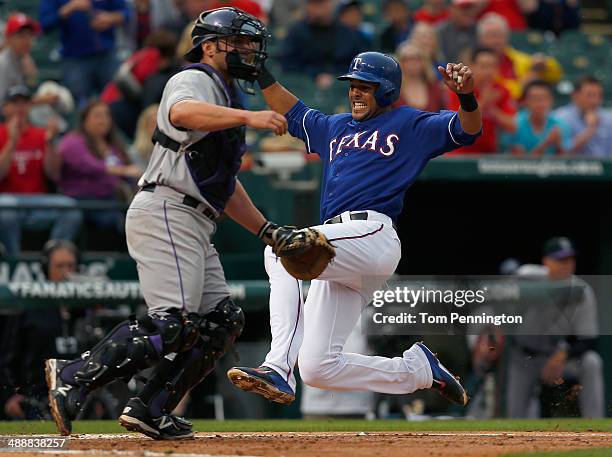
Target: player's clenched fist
column 458, row 77
column 270, row 120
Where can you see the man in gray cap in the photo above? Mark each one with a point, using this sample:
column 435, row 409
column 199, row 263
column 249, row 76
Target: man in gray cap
column 565, row 349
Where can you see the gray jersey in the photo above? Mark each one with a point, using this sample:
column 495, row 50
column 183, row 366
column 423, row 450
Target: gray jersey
column 167, row 167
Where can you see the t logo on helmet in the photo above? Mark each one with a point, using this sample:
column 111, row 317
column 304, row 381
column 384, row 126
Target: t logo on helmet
column 357, row 61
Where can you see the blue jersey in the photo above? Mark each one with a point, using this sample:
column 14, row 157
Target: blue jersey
column 369, row 165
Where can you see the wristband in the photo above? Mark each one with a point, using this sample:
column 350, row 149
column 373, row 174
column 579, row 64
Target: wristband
column 468, row 102
column 265, row 78
column 265, row 232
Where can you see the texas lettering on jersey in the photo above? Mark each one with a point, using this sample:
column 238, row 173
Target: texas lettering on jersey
column 369, row 165
column 366, row 140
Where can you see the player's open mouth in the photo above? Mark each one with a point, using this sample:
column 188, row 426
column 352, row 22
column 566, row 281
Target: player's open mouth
column 358, row 106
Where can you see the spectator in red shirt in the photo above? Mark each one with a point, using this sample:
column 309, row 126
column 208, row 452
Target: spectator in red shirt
column 514, row 11
column 432, row 12
column 420, row 86
column 27, row 158
column 126, row 93
column 496, row 104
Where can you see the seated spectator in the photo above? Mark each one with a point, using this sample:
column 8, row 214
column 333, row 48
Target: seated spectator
column 17, row 68
column 350, row 15
column 496, row 104
column 318, row 45
column 397, row 14
column 513, row 10
column 420, row 87
column 555, row 15
column 517, row 68
column 141, row 149
column 590, row 124
column 125, row 93
column 458, row 34
column 88, row 41
column 35, row 335
column 432, row 12
column 27, row 157
column 424, row 37
column 94, row 161
column 538, row 131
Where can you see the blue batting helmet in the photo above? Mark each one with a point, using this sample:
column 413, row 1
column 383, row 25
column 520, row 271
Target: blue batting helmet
column 382, row 69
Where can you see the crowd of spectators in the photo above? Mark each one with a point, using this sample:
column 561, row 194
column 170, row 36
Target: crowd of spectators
column 87, row 135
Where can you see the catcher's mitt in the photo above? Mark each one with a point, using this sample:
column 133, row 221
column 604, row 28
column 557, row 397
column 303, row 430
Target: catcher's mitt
column 304, row 253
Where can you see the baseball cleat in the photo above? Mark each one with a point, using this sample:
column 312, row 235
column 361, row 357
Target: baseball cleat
column 136, row 418
column 443, row 380
column 64, row 399
column 263, row 381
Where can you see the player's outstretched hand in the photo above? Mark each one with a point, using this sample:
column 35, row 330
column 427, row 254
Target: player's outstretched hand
column 267, row 120
column 458, row 77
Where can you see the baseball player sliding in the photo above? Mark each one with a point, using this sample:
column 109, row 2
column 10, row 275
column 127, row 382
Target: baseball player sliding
column 190, row 180
column 370, row 157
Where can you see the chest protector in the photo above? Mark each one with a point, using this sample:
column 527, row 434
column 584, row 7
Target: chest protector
column 214, row 160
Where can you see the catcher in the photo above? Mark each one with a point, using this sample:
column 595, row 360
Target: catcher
column 370, row 157
column 189, row 182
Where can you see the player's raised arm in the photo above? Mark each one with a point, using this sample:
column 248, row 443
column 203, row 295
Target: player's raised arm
column 277, row 97
column 458, row 77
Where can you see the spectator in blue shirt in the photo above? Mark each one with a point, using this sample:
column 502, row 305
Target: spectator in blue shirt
column 319, row 45
column 590, row 125
column 538, row 131
column 87, row 31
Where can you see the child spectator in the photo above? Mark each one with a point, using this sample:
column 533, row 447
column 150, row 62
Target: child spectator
column 27, row 158
column 125, row 93
column 494, row 100
column 538, row 132
column 517, row 68
column 590, row 124
column 94, row 161
column 432, row 12
column 87, row 30
column 397, row 14
column 420, row 87
column 458, row 34
column 16, row 64
column 141, row 149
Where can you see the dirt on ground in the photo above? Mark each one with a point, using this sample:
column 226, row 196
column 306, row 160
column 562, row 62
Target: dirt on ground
column 464, row 444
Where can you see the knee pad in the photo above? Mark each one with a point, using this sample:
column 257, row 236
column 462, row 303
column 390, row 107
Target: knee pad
column 218, row 330
column 132, row 346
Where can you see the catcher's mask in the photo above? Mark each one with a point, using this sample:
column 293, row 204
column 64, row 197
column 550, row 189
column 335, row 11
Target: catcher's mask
column 243, row 62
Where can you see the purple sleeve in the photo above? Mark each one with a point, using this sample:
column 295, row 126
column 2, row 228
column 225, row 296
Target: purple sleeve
column 78, row 159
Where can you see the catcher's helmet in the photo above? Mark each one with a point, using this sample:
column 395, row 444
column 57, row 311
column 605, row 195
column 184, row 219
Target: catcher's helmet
column 374, row 67
column 225, row 22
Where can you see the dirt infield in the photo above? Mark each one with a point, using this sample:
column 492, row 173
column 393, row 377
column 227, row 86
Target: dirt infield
column 465, row 444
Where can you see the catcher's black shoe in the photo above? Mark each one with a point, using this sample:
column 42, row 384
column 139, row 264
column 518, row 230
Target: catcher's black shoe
column 263, row 381
column 136, row 418
column 443, row 380
column 64, row 399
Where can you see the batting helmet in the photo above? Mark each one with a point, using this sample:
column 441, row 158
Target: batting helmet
column 225, row 22
column 382, row 69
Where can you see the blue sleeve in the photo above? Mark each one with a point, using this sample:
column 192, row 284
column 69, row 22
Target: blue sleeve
column 567, row 136
column 441, row 132
column 48, row 14
column 310, row 126
column 122, row 7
